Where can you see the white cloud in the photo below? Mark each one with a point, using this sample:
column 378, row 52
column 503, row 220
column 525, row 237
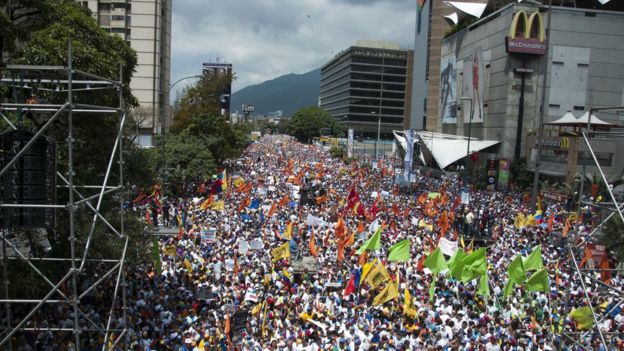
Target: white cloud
column 268, row 38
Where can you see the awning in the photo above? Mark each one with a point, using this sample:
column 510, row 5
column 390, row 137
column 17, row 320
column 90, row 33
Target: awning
column 446, row 148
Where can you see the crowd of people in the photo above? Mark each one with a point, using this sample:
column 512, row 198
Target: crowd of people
column 274, row 253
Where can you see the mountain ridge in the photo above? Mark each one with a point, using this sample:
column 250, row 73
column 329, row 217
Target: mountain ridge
column 287, row 93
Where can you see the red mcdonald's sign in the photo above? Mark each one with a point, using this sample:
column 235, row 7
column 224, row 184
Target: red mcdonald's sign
column 526, row 34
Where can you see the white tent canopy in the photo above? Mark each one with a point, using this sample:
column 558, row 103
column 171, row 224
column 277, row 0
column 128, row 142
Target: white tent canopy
column 473, row 8
column 570, row 120
column 446, row 148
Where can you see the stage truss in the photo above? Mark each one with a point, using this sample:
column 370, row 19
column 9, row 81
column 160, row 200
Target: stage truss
column 575, row 247
column 67, row 80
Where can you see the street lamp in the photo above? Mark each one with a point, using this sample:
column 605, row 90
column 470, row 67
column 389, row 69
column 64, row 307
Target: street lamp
column 469, row 127
column 378, row 131
column 164, row 127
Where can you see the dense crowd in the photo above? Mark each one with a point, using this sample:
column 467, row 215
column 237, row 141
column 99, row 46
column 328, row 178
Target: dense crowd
column 266, row 259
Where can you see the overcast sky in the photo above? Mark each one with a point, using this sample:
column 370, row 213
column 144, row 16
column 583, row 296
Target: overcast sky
column 264, row 39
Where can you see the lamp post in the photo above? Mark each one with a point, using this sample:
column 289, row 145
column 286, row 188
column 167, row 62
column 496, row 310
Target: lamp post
column 163, row 128
column 469, row 128
column 378, row 132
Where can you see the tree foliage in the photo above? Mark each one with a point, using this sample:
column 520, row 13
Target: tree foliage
column 200, row 98
column 308, row 122
column 613, row 237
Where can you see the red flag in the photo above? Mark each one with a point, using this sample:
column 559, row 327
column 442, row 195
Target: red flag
column 374, row 210
column 147, row 217
column 605, row 275
column 395, row 210
column 181, row 233
column 350, row 289
column 272, row 210
column 244, row 204
column 456, row 203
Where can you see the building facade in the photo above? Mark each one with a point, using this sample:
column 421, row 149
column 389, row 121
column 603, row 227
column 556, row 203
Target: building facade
column 366, row 85
column 146, row 26
column 492, row 73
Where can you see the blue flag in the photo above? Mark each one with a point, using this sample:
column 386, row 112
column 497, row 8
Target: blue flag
column 255, row 204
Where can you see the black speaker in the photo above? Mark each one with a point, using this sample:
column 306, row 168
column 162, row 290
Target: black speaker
column 30, row 180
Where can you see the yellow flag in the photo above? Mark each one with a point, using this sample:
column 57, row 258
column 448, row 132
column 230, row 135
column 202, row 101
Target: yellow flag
column 218, row 205
column 288, row 232
column 529, row 221
column 408, row 306
column 188, row 265
column 390, row 292
column 519, row 222
column 378, row 275
column 366, row 269
column 280, row 252
column 170, row 250
column 238, row 182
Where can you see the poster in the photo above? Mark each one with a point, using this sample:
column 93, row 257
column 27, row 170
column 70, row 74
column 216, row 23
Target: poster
column 473, row 86
column 350, row 143
column 448, row 90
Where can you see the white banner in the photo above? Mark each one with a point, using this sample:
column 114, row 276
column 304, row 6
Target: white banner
column 350, row 143
column 315, row 221
column 448, row 247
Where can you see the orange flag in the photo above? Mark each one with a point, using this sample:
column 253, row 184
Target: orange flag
column 362, row 259
column 227, row 327
column 283, row 201
column 313, row 250
column 566, row 228
column 272, row 210
column 321, row 199
column 422, row 198
column 551, row 221
column 340, row 228
column 360, row 228
column 244, row 204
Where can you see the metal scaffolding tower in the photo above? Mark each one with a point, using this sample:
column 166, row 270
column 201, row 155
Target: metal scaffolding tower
column 586, row 276
column 67, row 290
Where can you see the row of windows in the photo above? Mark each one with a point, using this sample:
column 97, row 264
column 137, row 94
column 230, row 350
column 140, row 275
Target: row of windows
column 374, row 119
column 376, row 94
column 375, row 110
column 375, row 102
column 378, row 69
column 605, row 159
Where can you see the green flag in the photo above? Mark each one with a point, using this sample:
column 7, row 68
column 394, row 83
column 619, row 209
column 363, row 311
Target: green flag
column 435, row 261
column 508, row 289
column 156, row 255
column 373, row 243
column 400, row 251
column 484, row 286
column 583, row 318
column 456, row 263
column 475, row 265
column 534, row 261
column 432, row 286
column 538, row 281
column 516, row 271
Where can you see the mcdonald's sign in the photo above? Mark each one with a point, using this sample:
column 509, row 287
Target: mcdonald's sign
column 526, row 34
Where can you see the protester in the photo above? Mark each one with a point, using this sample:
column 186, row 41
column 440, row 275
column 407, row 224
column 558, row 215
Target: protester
column 245, row 233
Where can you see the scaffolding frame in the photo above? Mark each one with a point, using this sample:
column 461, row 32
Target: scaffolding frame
column 48, row 78
column 575, row 249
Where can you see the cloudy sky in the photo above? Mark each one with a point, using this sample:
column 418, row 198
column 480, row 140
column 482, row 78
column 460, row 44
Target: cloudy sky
column 264, row 39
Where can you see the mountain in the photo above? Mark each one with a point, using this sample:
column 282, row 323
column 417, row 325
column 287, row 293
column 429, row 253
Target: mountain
column 288, row 93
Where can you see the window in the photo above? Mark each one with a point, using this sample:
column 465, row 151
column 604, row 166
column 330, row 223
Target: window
column 554, row 105
column 582, row 64
column 579, row 108
column 118, row 18
column 118, row 30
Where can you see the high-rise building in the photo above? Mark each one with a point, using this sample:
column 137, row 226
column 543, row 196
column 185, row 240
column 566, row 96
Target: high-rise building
column 146, row 26
column 368, row 84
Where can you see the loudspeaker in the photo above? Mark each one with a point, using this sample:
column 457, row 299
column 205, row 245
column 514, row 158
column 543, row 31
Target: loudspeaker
column 30, row 180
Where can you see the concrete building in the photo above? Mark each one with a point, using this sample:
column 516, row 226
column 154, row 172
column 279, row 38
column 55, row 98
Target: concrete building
column 146, row 25
column 505, row 52
column 430, row 28
column 368, row 83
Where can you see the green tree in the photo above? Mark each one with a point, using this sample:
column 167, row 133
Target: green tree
column 200, row 98
column 613, row 236
column 308, row 122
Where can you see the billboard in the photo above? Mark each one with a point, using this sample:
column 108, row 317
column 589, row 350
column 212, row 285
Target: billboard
column 473, row 86
column 448, row 89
